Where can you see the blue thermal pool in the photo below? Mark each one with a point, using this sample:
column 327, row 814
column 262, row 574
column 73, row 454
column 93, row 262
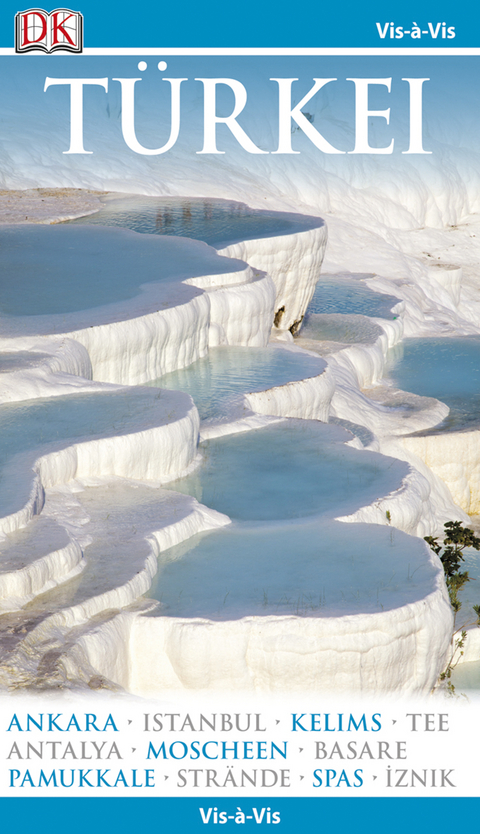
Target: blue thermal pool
column 305, row 567
column 347, row 329
column 288, row 470
column 60, row 269
column 228, row 371
column 216, row 222
column 334, row 294
column 33, row 427
column 447, row 369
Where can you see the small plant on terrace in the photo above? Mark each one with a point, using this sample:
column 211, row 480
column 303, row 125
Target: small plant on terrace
column 457, row 539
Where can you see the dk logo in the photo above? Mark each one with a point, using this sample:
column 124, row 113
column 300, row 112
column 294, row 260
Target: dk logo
column 38, row 29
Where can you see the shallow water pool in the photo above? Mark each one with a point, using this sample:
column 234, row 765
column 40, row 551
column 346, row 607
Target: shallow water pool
column 60, row 269
column 33, row 427
column 217, row 222
column 308, row 568
column 447, row 369
column 347, row 329
column 334, row 294
column 228, row 371
column 288, row 470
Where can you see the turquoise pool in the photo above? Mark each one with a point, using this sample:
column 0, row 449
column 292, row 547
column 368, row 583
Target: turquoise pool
column 216, row 222
column 31, row 428
column 287, row 470
column 337, row 294
column 447, row 369
column 60, row 269
column 228, row 371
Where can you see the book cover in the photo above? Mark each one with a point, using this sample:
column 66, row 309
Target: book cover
column 239, row 351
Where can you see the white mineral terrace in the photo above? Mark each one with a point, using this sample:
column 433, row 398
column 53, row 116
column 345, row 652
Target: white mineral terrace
column 272, row 542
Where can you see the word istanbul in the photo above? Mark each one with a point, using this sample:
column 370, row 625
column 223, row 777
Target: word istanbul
column 287, row 114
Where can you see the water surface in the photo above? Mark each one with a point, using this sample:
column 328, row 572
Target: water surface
column 287, row 470
column 33, row 427
column 227, row 371
column 62, row 269
column 217, row 222
column 445, row 368
column 307, row 567
column 335, row 294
